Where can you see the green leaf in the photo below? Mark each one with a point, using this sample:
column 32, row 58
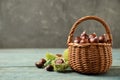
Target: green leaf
column 65, row 54
column 50, row 56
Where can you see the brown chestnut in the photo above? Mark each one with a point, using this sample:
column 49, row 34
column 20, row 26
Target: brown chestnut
column 92, row 35
column 84, row 37
column 42, row 60
column 39, row 65
column 59, row 55
column 84, row 34
column 94, row 40
column 84, row 41
column 59, row 61
column 77, row 39
column 49, row 68
column 103, row 38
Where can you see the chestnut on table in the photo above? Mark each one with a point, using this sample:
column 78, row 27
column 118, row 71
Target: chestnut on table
column 18, row 64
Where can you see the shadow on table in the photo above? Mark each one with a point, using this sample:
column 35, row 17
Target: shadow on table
column 113, row 72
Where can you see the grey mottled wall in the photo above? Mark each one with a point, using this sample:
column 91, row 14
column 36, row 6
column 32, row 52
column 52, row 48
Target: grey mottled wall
column 46, row 23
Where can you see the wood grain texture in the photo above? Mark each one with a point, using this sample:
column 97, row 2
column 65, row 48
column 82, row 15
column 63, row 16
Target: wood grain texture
column 32, row 73
column 18, row 64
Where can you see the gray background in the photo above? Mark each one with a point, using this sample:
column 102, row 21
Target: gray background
column 46, row 23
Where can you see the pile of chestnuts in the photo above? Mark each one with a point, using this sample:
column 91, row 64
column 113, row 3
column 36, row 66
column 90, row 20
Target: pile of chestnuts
column 47, row 64
column 40, row 64
column 92, row 38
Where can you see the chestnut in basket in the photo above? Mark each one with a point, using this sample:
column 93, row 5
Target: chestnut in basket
column 92, row 35
column 84, row 41
column 103, row 38
column 94, row 40
column 77, row 39
column 84, row 35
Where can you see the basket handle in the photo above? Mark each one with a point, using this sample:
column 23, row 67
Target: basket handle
column 89, row 18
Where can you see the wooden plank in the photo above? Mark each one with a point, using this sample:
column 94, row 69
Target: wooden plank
column 33, row 73
column 27, row 57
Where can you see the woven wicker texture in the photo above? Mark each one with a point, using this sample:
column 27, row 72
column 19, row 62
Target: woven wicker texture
column 90, row 58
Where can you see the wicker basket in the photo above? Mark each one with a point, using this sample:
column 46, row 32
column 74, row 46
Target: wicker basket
column 90, row 58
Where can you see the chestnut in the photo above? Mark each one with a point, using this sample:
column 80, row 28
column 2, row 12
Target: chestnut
column 103, row 38
column 92, row 35
column 94, row 40
column 84, row 37
column 49, row 68
column 77, row 39
column 59, row 55
column 39, row 64
column 84, row 34
column 84, row 41
column 59, row 61
column 42, row 61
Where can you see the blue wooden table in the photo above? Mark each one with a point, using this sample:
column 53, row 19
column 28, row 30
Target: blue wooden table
column 18, row 64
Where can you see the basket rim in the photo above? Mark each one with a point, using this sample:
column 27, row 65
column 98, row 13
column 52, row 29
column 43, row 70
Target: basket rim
column 89, row 44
